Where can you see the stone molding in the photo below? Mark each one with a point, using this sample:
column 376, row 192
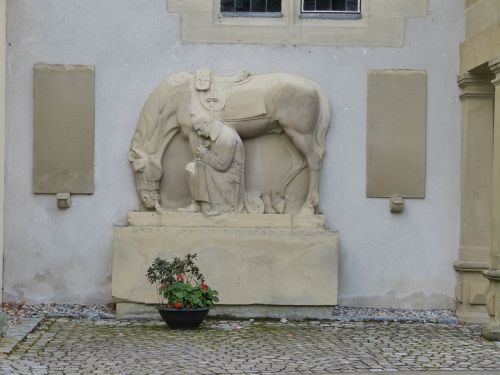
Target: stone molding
column 382, row 24
column 494, row 66
column 492, row 274
column 475, row 86
column 173, row 219
column 461, row 266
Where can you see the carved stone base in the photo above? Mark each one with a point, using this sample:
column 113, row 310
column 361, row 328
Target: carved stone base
column 267, row 260
column 471, row 291
column 492, row 330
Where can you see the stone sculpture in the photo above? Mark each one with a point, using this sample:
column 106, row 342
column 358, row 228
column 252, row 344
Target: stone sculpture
column 216, row 175
column 252, row 105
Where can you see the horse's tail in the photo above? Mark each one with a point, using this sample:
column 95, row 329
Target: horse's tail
column 322, row 123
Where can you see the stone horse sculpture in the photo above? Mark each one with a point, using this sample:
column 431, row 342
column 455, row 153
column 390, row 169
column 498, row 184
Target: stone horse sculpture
column 253, row 105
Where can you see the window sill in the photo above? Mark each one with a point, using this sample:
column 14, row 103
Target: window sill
column 330, row 16
column 252, row 14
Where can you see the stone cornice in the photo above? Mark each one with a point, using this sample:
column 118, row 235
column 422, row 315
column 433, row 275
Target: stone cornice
column 465, row 266
column 492, row 274
column 495, row 65
column 468, row 79
column 476, row 86
column 476, row 95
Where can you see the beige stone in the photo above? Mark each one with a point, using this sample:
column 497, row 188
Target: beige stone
column 470, row 292
column 247, row 264
column 492, row 331
column 477, row 209
column 477, row 146
column 396, row 204
column 63, row 200
column 382, row 24
column 175, row 219
column 480, row 16
column 256, row 107
column 480, row 48
column 475, row 213
column 63, row 151
column 482, row 34
column 396, row 128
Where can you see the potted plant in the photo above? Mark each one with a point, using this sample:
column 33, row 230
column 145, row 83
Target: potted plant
column 184, row 296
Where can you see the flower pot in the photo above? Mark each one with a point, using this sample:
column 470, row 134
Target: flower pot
column 183, row 318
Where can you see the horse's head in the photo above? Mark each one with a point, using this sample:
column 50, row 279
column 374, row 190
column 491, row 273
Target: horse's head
column 148, row 173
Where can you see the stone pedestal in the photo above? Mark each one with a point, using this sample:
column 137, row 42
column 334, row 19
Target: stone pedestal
column 285, row 265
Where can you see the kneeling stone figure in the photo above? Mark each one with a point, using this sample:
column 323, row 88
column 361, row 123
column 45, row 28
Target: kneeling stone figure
column 216, row 175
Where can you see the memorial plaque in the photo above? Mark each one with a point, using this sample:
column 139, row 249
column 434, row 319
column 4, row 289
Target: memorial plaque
column 63, row 143
column 396, row 131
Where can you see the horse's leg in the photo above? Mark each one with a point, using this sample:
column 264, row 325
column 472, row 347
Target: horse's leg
column 305, row 144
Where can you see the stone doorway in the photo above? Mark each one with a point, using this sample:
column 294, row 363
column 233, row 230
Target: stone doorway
column 479, row 260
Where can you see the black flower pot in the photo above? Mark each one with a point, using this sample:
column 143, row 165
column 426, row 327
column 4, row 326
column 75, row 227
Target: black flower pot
column 183, row 318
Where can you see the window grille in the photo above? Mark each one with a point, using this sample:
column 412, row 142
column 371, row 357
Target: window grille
column 331, row 6
column 250, row 6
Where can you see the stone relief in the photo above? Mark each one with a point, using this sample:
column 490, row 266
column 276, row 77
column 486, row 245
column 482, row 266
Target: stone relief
column 215, row 177
column 246, row 144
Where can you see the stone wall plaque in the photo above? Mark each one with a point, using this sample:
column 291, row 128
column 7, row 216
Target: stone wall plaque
column 63, row 143
column 396, row 131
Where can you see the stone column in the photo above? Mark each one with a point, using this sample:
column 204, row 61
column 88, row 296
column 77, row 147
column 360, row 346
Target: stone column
column 475, row 222
column 492, row 330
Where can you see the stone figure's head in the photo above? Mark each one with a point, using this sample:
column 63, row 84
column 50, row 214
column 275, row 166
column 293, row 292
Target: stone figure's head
column 148, row 173
column 201, row 125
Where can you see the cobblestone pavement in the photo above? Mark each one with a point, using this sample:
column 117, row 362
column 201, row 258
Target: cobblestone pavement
column 16, row 333
column 65, row 346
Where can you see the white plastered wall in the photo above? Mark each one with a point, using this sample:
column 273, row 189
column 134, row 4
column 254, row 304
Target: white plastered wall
column 3, row 25
column 65, row 256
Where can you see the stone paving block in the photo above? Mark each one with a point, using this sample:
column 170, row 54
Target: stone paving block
column 16, row 333
column 110, row 347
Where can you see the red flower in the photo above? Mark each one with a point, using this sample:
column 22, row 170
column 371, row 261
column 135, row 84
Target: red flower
column 180, row 277
column 204, row 286
column 177, row 305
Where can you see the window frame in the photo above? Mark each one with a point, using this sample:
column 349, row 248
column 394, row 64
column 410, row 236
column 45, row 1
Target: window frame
column 330, row 11
column 302, row 14
column 330, row 14
column 251, row 14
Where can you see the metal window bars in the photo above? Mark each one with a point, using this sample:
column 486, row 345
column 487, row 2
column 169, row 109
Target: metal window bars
column 331, row 6
column 250, row 6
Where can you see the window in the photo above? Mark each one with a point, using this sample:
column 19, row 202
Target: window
column 364, row 23
column 249, row 7
column 331, row 6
